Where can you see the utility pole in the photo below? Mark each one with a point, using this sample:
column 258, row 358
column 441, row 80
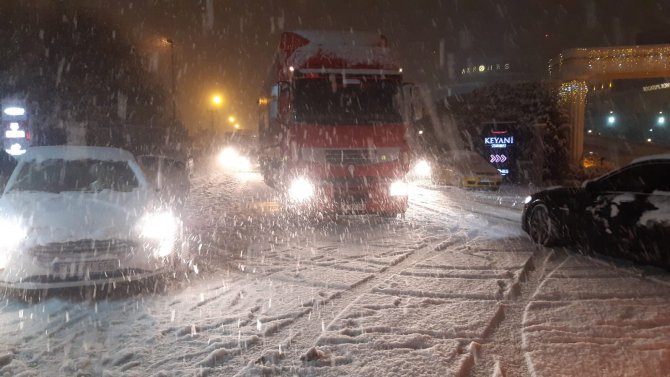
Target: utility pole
column 172, row 75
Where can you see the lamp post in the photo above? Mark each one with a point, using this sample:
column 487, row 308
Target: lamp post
column 173, row 91
column 217, row 101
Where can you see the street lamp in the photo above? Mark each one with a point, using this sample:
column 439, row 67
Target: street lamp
column 231, row 119
column 611, row 119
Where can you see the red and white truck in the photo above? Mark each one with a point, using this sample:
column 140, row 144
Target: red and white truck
column 331, row 130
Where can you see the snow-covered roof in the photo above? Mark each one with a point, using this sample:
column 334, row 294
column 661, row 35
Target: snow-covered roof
column 69, row 152
column 340, row 38
column 338, row 50
column 313, row 56
column 663, row 156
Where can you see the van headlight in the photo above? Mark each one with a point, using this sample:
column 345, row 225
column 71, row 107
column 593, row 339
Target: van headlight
column 300, row 190
column 399, row 188
column 162, row 228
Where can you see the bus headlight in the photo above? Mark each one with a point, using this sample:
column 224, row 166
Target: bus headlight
column 300, row 190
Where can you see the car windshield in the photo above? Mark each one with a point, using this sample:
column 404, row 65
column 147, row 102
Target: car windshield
column 59, row 175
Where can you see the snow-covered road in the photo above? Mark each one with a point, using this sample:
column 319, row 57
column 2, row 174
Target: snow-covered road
column 455, row 288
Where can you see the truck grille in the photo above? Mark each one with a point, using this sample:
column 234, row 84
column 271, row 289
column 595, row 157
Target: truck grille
column 349, row 198
column 349, row 156
column 84, row 247
column 352, row 182
column 351, row 189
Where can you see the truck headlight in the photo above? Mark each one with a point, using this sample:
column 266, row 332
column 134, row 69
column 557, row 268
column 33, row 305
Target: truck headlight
column 161, row 227
column 399, row 188
column 300, row 190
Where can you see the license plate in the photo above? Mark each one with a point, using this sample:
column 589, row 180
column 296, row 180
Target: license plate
column 74, row 268
column 484, row 181
column 353, row 206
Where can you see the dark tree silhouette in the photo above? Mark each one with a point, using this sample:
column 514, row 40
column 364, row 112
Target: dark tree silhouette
column 73, row 68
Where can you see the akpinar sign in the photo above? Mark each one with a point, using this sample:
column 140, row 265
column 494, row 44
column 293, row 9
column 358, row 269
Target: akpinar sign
column 485, row 68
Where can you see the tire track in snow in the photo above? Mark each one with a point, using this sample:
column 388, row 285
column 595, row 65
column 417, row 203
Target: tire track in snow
column 444, row 209
column 290, row 341
column 293, row 341
column 503, row 349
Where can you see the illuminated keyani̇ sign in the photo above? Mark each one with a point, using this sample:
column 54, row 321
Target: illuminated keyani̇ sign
column 500, row 144
column 498, row 158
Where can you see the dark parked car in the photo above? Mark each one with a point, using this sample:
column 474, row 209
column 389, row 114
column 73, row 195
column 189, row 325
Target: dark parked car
column 624, row 213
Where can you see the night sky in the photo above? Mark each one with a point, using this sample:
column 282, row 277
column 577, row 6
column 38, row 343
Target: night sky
column 227, row 46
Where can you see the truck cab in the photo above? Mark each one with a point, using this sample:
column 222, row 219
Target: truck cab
column 331, row 131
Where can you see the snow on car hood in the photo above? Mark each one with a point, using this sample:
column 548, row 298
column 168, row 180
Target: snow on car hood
column 71, row 216
column 660, row 215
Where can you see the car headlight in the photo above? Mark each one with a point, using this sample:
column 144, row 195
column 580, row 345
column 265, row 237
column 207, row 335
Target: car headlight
column 161, row 227
column 300, row 190
column 227, row 155
column 399, row 188
column 243, row 163
column 11, row 234
column 527, row 200
column 422, row 169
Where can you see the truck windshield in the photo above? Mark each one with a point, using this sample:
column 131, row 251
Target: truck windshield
column 360, row 101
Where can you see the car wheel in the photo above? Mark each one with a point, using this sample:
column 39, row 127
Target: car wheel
column 541, row 227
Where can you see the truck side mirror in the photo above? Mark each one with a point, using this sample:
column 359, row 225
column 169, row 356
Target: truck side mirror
column 412, row 102
column 284, row 101
column 279, row 100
